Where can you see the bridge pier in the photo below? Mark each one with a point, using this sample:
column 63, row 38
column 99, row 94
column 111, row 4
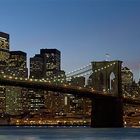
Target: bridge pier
column 107, row 112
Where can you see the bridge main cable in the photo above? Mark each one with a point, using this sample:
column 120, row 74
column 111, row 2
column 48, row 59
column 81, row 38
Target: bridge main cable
column 76, row 72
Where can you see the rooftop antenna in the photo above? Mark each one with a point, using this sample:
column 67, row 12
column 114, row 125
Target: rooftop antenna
column 107, row 57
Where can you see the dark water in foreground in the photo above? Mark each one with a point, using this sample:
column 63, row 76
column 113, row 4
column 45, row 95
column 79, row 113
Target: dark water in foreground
column 67, row 133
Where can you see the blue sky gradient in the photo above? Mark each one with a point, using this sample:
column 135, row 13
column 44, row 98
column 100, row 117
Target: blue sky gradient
column 83, row 30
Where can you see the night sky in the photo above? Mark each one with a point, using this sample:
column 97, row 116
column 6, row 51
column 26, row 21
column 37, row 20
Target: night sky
column 83, row 30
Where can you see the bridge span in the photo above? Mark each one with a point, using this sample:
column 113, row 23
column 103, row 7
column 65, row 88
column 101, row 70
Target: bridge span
column 62, row 88
column 107, row 109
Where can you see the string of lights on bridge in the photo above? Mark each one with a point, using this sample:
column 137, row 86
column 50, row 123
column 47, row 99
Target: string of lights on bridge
column 89, row 73
column 52, row 82
column 90, row 68
column 47, row 82
column 60, row 78
column 79, row 69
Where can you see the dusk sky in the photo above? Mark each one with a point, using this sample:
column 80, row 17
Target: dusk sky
column 83, row 30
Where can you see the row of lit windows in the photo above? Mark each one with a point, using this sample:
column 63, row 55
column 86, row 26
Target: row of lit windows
column 4, row 44
column 4, row 56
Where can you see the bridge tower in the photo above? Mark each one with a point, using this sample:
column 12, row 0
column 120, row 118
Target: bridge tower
column 107, row 111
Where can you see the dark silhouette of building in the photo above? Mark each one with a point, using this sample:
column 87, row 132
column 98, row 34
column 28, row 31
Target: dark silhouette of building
column 51, row 61
column 36, row 67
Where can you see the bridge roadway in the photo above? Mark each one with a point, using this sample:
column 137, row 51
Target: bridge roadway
column 40, row 84
column 63, row 88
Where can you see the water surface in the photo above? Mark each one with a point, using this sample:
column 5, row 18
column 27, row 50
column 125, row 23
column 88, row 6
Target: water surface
column 68, row 133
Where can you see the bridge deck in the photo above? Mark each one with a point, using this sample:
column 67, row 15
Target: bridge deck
column 63, row 88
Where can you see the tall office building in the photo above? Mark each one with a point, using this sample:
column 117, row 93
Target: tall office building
column 51, row 61
column 18, row 68
column 4, row 57
column 4, row 50
column 47, row 66
column 36, row 67
column 18, row 64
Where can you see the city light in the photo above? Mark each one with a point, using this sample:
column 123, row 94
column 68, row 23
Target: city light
column 48, row 96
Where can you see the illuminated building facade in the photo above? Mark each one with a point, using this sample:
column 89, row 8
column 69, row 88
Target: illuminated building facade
column 46, row 66
column 129, row 87
column 79, row 106
column 13, row 100
column 51, row 61
column 18, row 64
column 4, row 50
column 4, row 60
column 36, row 67
column 127, row 76
column 2, row 100
column 35, row 101
column 18, row 68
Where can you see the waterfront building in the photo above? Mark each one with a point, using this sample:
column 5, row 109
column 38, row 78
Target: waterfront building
column 51, row 62
column 4, row 60
column 79, row 106
column 36, row 67
column 4, row 50
column 34, row 101
column 13, row 100
column 18, row 64
column 127, row 76
column 17, row 68
column 46, row 66
column 2, row 101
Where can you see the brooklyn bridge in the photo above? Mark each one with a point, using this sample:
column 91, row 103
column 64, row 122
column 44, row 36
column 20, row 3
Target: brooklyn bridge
column 105, row 93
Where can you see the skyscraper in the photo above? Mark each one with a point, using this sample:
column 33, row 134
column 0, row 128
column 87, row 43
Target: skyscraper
column 47, row 66
column 36, row 67
column 4, row 57
column 51, row 61
column 18, row 68
column 4, row 50
column 18, row 64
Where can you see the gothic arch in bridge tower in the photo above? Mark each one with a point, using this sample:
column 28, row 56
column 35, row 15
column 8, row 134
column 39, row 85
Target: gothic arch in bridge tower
column 106, row 76
column 112, row 82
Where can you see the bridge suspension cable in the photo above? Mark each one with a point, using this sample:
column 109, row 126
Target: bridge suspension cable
column 80, row 73
column 87, row 71
column 87, row 67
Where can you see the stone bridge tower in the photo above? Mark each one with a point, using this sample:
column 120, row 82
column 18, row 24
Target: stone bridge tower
column 106, row 77
column 107, row 111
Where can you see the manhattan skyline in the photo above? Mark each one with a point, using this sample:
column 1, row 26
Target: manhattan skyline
column 83, row 30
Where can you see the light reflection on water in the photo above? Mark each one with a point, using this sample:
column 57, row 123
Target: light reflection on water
column 12, row 133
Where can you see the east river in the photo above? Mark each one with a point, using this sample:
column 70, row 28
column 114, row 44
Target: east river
column 68, row 133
